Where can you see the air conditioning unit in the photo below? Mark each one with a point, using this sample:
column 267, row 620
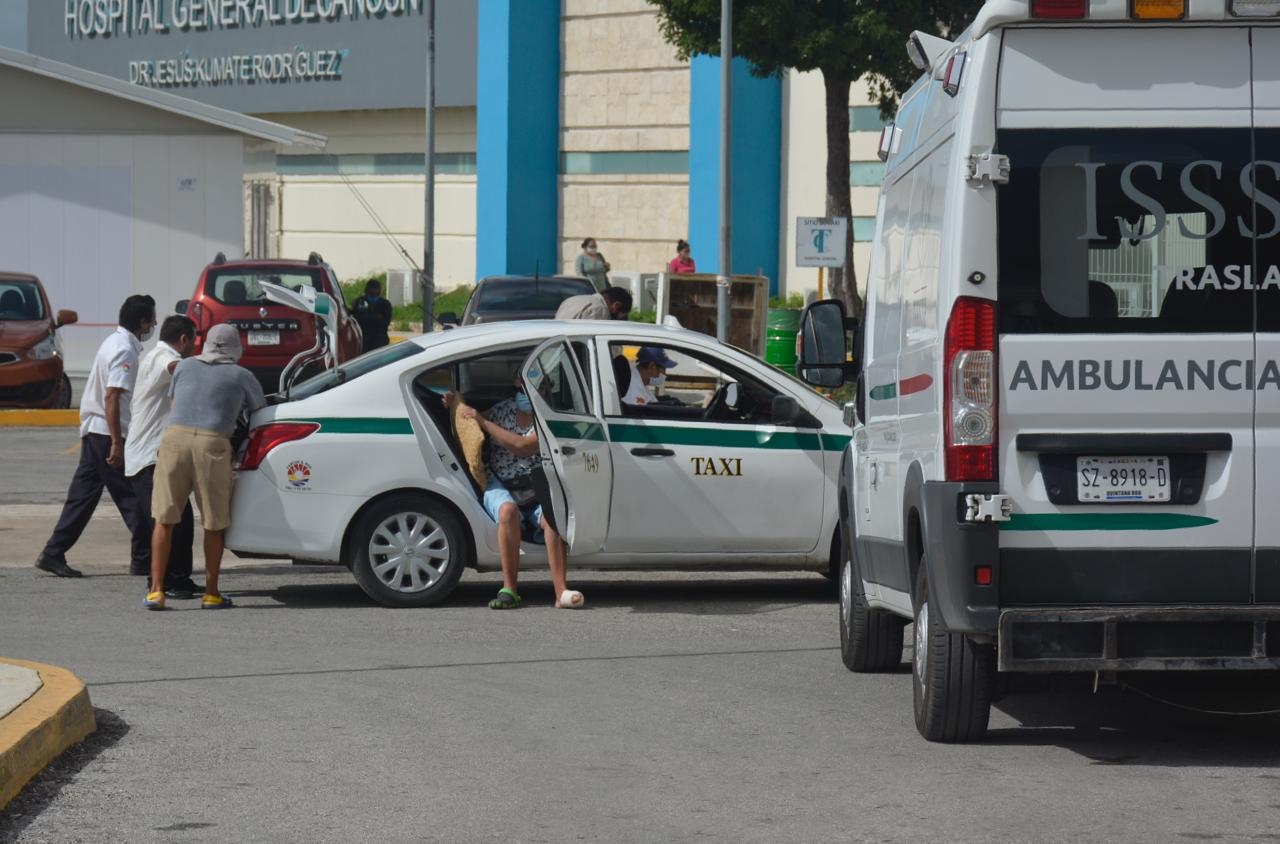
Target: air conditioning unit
column 404, row 287
column 643, row 287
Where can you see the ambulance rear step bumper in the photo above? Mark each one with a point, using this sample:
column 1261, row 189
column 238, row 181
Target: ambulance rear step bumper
column 1185, row 638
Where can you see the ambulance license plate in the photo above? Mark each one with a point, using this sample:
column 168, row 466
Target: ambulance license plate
column 1121, row 479
column 264, row 338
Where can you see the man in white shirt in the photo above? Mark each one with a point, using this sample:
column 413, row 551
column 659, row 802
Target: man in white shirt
column 648, row 374
column 104, row 427
column 150, row 414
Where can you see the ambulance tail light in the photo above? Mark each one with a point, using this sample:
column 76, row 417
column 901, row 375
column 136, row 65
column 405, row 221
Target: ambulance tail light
column 262, row 440
column 1157, row 10
column 1059, row 9
column 1255, row 8
column 969, row 391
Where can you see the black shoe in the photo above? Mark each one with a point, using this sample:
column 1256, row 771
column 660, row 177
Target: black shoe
column 183, row 589
column 57, row 566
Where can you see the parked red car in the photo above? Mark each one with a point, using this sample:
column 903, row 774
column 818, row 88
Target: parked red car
column 272, row 334
column 31, row 366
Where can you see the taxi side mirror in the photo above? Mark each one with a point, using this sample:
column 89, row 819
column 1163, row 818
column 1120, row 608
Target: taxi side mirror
column 824, row 344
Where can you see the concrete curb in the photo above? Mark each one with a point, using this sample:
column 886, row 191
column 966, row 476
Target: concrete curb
column 40, row 729
column 39, row 418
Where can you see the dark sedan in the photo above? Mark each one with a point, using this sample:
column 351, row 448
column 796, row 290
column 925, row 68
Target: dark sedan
column 514, row 297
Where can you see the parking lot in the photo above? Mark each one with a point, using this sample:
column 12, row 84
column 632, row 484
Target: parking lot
column 674, row 707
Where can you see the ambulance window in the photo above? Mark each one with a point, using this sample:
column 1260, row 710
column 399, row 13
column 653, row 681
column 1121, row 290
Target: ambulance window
column 1120, row 231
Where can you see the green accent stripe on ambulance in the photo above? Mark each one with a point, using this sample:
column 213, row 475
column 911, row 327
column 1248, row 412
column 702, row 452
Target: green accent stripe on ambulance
column 359, row 424
column 1105, row 521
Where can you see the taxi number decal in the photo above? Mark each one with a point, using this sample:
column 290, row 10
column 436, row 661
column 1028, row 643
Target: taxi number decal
column 591, row 462
column 717, row 466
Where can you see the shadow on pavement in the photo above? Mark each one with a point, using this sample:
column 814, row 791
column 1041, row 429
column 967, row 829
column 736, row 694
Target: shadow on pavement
column 46, row 787
column 644, row 594
column 1161, row 720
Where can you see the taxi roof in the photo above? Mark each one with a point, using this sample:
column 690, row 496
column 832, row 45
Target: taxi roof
column 537, row 330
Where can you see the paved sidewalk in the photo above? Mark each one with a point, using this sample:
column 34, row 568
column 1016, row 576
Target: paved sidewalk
column 43, row 711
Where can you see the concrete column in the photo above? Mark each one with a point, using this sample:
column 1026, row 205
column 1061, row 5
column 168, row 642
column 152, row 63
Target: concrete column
column 757, row 168
column 518, row 136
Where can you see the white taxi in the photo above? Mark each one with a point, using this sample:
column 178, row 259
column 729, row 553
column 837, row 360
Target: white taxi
column 735, row 468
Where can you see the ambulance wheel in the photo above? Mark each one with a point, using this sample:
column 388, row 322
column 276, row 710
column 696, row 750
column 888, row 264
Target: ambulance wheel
column 870, row 640
column 952, row 678
column 407, row 551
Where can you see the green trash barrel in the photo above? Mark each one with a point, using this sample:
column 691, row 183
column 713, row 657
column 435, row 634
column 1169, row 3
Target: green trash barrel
column 781, row 327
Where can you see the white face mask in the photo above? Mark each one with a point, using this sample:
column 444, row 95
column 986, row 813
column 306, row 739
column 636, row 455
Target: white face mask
column 148, row 335
column 656, row 383
column 591, row 250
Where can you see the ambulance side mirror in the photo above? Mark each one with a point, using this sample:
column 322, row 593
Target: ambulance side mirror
column 824, row 344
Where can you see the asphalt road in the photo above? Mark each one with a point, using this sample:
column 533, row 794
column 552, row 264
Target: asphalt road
column 674, row 707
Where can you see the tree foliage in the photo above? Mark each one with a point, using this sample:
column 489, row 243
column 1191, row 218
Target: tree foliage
column 845, row 40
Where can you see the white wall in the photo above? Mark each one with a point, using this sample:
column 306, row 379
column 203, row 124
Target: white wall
column 100, row 216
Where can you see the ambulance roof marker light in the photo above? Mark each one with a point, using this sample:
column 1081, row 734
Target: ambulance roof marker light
column 1158, row 10
column 953, row 74
column 1060, row 9
column 1255, row 8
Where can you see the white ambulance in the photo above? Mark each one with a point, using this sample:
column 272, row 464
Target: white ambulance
column 1066, row 451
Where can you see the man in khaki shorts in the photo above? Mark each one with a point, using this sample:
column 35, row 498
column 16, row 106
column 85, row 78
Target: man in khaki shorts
column 208, row 391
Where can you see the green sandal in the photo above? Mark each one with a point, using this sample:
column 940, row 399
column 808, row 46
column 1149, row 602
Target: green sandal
column 506, row 600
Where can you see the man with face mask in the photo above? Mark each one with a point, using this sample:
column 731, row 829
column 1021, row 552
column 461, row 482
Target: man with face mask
column 208, row 393
column 648, row 376
column 104, row 426
column 509, row 498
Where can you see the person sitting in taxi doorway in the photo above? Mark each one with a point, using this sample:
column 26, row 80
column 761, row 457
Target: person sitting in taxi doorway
column 509, row 497
column 648, row 376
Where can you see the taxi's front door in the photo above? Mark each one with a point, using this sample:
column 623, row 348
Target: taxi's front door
column 575, row 451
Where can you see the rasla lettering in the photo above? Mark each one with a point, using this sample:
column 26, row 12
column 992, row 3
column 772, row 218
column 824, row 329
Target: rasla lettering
column 1229, row 375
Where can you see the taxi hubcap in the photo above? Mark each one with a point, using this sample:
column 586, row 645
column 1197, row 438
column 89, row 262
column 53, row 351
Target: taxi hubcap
column 409, row 552
column 846, row 593
column 922, row 644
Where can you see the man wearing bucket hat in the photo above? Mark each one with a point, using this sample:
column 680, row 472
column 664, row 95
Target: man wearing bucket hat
column 648, row 376
column 208, row 392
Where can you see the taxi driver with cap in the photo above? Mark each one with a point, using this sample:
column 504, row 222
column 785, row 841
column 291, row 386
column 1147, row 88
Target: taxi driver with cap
column 208, row 393
column 648, row 375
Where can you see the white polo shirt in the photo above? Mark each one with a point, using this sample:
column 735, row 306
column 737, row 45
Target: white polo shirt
column 638, row 392
column 149, row 408
column 115, row 365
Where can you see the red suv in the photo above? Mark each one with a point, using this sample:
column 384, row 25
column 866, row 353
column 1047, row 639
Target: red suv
column 230, row 291
column 31, row 371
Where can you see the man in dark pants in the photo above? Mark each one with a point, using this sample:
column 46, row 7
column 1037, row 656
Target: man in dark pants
column 149, row 412
column 374, row 315
column 104, row 426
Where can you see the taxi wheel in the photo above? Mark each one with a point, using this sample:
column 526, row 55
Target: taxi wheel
column 870, row 640
column 407, row 551
column 952, row 677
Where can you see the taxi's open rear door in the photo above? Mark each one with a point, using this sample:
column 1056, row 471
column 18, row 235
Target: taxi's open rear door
column 575, row 452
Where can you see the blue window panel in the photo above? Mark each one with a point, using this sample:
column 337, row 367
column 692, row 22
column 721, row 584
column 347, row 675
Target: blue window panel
column 866, row 174
column 864, row 229
column 381, row 164
column 866, row 119
column 624, row 163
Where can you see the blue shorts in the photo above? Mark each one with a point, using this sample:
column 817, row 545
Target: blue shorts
column 495, row 495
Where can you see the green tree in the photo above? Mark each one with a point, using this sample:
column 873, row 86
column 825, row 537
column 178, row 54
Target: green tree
column 845, row 40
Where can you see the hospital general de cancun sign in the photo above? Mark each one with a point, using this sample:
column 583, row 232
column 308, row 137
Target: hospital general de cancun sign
column 185, row 67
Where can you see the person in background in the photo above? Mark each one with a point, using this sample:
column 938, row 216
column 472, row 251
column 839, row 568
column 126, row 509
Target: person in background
column 591, row 264
column 209, row 392
column 683, row 261
column 610, row 303
column 149, row 410
column 648, row 375
column 374, row 315
column 509, row 497
column 104, row 428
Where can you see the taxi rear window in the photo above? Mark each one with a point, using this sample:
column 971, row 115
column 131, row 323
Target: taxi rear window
column 1136, row 231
